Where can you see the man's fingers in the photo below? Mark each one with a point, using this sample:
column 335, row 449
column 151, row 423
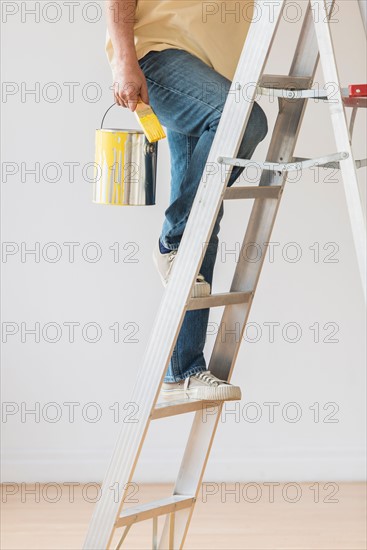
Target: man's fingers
column 132, row 103
column 116, row 94
column 118, row 100
column 129, row 94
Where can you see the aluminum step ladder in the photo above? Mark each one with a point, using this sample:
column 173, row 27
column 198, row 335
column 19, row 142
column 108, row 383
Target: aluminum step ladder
column 109, row 522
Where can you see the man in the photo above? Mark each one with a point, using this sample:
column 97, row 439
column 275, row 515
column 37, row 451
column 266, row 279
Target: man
column 180, row 57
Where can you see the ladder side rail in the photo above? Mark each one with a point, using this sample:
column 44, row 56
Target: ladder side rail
column 202, row 434
column 342, row 138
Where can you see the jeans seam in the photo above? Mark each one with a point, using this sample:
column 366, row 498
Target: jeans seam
column 178, row 92
column 188, row 151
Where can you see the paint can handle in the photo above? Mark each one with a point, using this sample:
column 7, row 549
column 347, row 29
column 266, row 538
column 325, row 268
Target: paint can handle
column 104, row 116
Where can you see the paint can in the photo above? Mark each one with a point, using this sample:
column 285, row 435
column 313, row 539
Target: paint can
column 125, row 167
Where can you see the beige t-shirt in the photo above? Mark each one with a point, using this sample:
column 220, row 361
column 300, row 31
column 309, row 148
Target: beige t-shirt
column 214, row 31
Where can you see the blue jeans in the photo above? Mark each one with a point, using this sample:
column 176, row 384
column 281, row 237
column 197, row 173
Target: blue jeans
column 188, row 97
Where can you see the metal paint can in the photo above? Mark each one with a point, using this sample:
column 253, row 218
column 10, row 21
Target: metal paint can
column 125, row 168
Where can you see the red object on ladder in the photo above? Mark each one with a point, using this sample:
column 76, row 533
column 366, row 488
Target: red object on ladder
column 358, row 90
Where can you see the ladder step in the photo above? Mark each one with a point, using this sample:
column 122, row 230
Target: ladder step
column 289, row 87
column 215, row 300
column 165, row 409
column 280, row 81
column 154, row 509
column 254, row 192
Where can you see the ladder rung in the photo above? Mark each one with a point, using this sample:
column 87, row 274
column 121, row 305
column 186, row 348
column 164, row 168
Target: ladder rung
column 289, row 87
column 215, row 300
column 154, row 509
column 279, row 81
column 254, row 192
column 172, row 408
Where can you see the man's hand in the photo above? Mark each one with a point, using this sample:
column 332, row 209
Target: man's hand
column 129, row 83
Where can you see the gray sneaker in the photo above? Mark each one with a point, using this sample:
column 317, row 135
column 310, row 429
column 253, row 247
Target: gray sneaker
column 164, row 264
column 203, row 385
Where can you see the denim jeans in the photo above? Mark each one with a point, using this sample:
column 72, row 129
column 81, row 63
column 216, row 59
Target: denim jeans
column 188, row 97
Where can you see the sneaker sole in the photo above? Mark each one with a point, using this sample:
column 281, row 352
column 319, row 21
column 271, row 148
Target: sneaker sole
column 225, row 393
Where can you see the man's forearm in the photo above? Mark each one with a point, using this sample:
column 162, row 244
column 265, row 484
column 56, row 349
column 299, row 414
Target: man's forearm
column 129, row 81
column 120, row 23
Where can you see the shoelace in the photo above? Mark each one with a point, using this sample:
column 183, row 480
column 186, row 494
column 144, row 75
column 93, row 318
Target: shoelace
column 205, row 376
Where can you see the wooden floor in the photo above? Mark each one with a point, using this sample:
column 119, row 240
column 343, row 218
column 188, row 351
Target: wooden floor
column 322, row 517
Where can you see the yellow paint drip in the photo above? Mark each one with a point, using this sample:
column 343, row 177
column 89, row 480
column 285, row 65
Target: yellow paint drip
column 110, row 148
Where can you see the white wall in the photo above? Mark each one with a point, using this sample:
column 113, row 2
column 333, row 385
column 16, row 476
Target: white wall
column 306, row 293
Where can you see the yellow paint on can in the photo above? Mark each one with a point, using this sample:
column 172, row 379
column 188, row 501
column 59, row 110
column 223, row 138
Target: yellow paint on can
column 109, row 167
